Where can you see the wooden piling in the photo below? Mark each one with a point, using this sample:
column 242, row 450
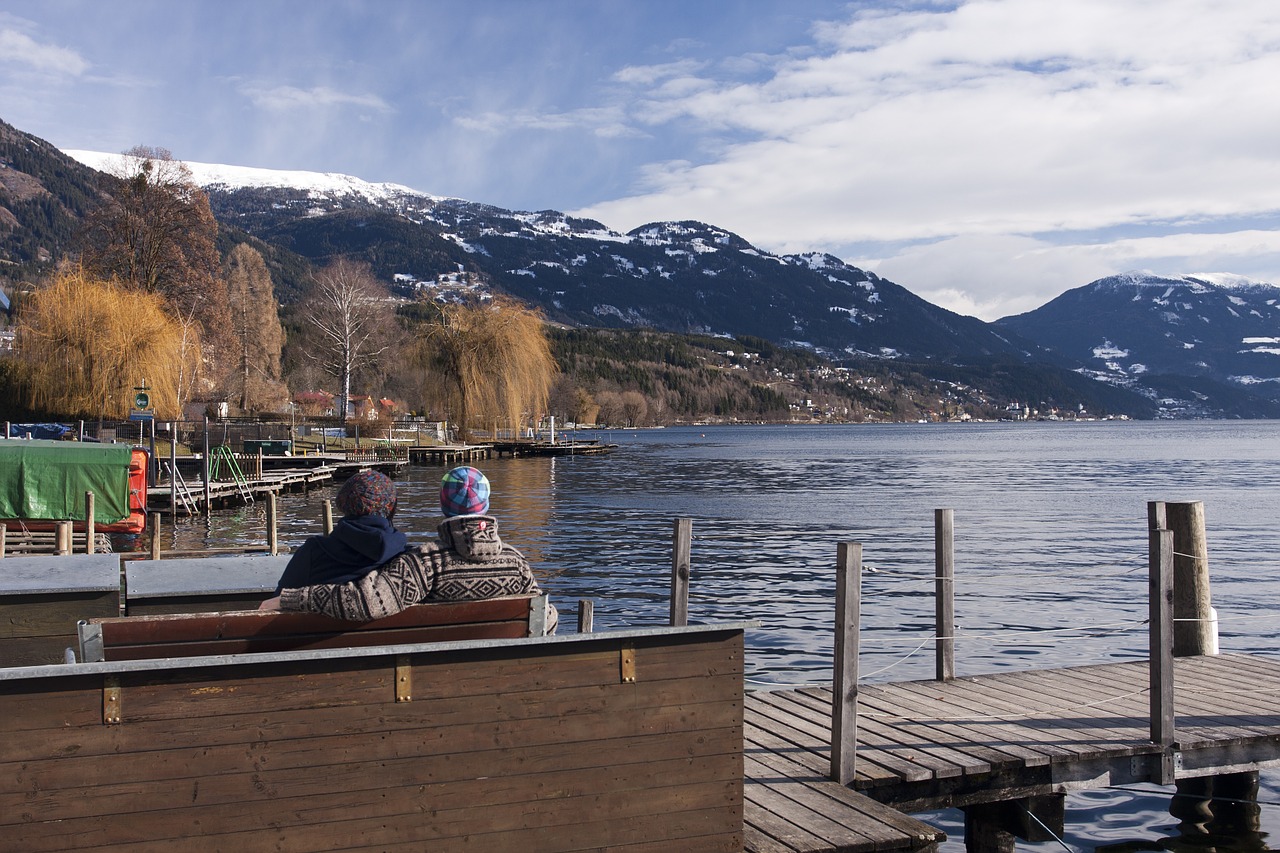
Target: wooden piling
column 155, row 535
column 90, row 524
column 273, row 535
column 844, row 694
column 1193, row 630
column 586, row 615
column 326, row 519
column 204, row 466
column 4, row 531
column 62, row 538
column 680, row 549
column 944, row 594
column 1161, row 633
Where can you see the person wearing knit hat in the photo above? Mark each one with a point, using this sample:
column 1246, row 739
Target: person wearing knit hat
column 363, row 539
column 468, row 561
column 464, row 491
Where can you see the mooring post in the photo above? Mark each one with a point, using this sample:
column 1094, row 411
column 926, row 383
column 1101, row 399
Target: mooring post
column 62, row 538
column 1160, row 604
column 586, row 615
column 89, row 525
column 208, row 498
column 680, row 548
column 1194, row 629
column 155, row 535
column 327, row 517
column 273, row 538
column 944, row 594
column 844, row 686
column 173, row 469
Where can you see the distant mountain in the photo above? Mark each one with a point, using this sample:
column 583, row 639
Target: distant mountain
column 691, row 277
column 44, row 194
column 1210, row 341
column 685, row 277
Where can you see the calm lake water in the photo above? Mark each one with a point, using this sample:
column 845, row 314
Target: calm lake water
column 1050, row 551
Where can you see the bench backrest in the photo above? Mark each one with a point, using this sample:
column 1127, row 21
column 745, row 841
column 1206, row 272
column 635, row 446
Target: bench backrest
column 242, row 632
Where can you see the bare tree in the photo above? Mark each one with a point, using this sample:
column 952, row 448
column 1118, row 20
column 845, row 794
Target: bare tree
column 354, row 321
column 255, row 324
column 156, row 233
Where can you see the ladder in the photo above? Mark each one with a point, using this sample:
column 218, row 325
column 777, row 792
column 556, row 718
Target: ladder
column 222, row 456
column 187, row 499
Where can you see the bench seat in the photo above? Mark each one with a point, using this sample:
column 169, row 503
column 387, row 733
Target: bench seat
column 251, row 631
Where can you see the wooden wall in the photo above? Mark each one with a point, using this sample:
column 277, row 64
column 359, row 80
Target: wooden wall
column 534, row 746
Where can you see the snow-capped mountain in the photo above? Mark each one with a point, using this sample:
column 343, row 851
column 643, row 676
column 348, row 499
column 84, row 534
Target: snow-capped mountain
column 673, row 276
column 1133, row 328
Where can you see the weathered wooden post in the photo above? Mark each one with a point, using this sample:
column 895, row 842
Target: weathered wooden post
column 327, row 517
column 208, row 497
column 89, row 522
column 155, row 535
column 273, row 538
column 680, row 550
column 62, row 538
column 4, row 532
column 586, row 615
column 1194, row 629
column 173, row 469
column 844, row 688
column 1160, row 604
column 944, row 594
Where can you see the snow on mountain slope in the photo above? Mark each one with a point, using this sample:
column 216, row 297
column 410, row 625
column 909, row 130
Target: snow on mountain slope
column 248, row 177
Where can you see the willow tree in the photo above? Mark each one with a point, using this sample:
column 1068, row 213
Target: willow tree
column 85, row 343
column 255, row 326
column 489, row 363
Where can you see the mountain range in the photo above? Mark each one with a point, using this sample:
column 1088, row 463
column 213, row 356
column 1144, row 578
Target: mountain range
column 1179, row 346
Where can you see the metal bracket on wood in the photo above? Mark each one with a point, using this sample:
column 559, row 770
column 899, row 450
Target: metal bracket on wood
column 111, row 700
column 1163, row 770
column 404, row 679
column 627, row 661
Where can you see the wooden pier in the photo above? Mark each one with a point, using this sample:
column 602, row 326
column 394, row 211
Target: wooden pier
column 1023, row 737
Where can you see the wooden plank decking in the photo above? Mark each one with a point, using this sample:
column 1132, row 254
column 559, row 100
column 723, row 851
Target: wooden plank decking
column 930, row 744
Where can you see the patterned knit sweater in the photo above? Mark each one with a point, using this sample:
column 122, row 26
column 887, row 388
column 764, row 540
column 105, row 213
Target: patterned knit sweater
column 468, row 562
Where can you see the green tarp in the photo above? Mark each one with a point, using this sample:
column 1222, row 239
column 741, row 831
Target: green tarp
column 47, row 480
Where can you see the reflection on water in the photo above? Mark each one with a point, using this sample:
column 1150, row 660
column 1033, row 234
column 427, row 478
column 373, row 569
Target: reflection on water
column 1050, row 540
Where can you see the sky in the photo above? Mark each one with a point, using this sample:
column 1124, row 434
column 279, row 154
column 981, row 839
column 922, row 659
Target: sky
column 986, row 154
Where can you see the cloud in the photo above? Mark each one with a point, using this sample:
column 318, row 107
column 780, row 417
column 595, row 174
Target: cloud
column 975, row 128
column 16, row 47
column 288, row 98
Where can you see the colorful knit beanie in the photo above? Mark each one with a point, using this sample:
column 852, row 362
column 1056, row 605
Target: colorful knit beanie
column 464, row 491
column 367, row 493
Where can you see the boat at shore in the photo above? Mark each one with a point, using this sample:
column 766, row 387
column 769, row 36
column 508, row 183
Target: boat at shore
column 45, row 482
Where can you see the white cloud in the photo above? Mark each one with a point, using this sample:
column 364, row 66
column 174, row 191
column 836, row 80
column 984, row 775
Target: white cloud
column 284, row 98
column 985, row 130
column 16, row 47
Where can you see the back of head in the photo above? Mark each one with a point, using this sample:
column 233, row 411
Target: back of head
column 464, row 491
column 367, row 493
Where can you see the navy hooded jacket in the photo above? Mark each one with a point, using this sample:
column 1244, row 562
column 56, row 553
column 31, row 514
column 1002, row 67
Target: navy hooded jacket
column 355, row 547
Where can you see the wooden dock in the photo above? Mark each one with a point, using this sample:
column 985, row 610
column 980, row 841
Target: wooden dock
column 937, row 744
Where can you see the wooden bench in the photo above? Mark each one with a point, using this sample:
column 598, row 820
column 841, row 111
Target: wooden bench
column 200, row 584
column 42, row 598
column 244, row 632
column 629, row 740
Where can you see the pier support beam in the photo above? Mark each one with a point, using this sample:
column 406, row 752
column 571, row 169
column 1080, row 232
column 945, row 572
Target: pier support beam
column 996, row 827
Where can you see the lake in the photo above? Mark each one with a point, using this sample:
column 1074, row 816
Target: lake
column 1050, row 549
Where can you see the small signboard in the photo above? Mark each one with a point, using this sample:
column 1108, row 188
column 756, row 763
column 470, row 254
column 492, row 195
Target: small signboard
column 137, row 415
